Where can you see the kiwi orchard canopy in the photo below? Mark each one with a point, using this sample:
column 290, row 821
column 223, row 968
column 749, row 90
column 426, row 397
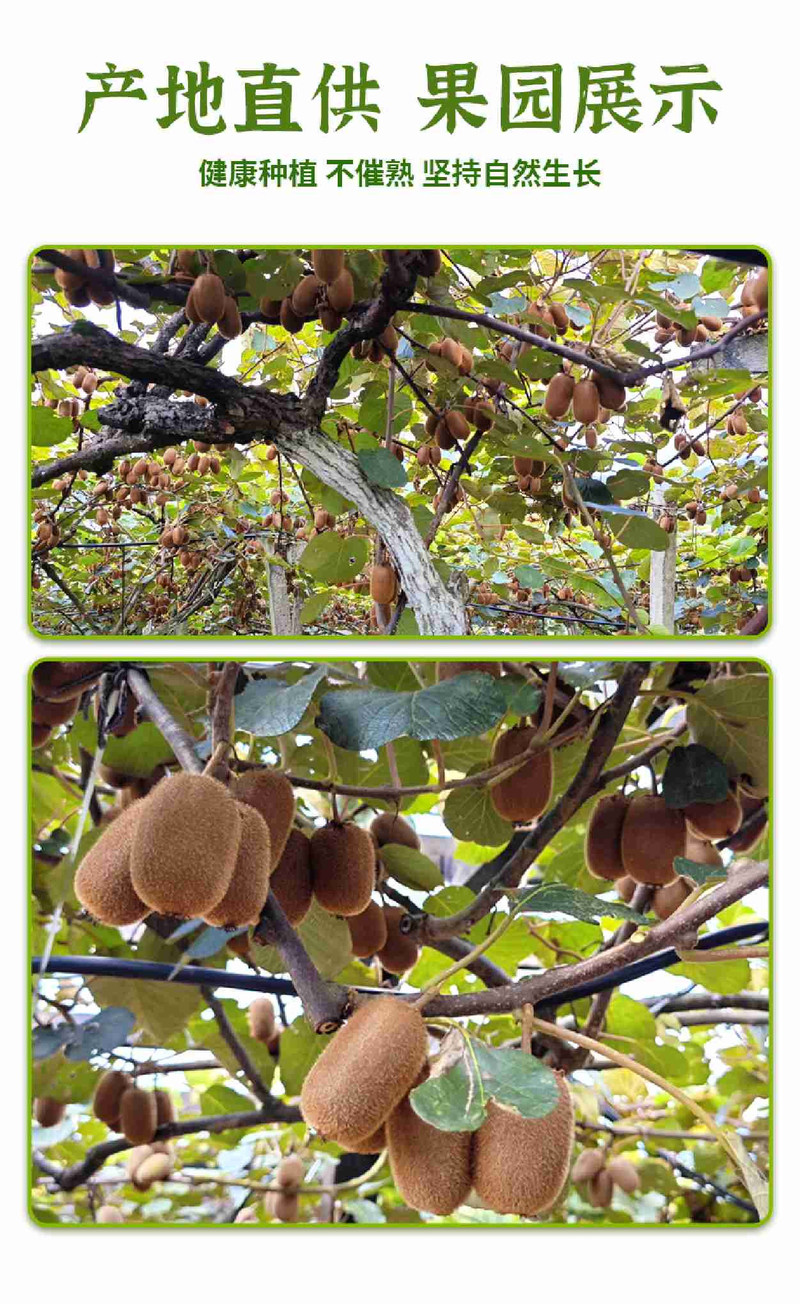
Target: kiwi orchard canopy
column 329, row 928
column 442, row 442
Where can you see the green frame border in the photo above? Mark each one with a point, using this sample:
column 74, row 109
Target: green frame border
column 755, row 661
column 315, row 640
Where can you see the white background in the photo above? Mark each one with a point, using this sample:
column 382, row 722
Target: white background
column 126, row 181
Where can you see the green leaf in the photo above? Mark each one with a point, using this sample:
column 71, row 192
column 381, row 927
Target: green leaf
column 139, row 753
column 271, row 707
column 452, row 1102
column 330, row 557
column 382, row 468
column 471, row 817
column 326, row 939
column 639, row 532
column 315, row 605
column 698, row 873
column 410, row 867
column 364, row 1211
column 47, row 428
column 512, row 1077
column 300, row 1047
column 629, row 484
column 161, row 1009
column 730, row 716
column 558, row 898
column 724, row 978
column 357, row 719
column 693, row 774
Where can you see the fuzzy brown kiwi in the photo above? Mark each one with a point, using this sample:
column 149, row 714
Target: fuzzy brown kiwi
column 165, row 1110
column 136, row 1158
column 400, row 952
column 138, row 1116
column 364, row 1073
column 430, row 262
column 714, row 820
column 603, row 845
column 342, row 868
column 328, row 264
column 521, row 1164
column 450, row 669
column 289, row 319
column 390, row 827
column 40, row 734
column 587, row 1165
column 701, row 852
column 560, row 317
column 759, row 289
column 107, row 1096
column 431, row 1168
column 208, row 293
column 305, row 296
column 185, row 845
column 527, row 792
column 652, row 836
column 290, row 1172
column 341, row 292
column 383, row 584
column 155, row 1168
column 585, row 402
column 666, row 899
column 624, row 1175
column 70, row 280
column 368, row 931
column 558, row 395
column 58, row 680
column 54, row 713
column 108, row 1213
column 601, row 1189
column 248, row 889
column 48, row 1111
column 230, row 323
column 282, row 1205
column 612, row 394
column 272, row 795
column 370, row 1145
column 290, row 881
column 625, row 887
column 103, row 883
column 261, row 1019
column 745, row 840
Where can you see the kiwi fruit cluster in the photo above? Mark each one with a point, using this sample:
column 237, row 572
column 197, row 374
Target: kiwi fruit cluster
column 210, row 302
column 669, row 330
column 592, row 398
column 128, row 1109
column 596, row 1175
column 79, row 290
column 284, row 1204
column 57, row 688
column 524, row 794
column 147, row 1164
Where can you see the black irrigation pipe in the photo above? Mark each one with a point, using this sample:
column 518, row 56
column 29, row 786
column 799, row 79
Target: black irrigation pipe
column 196, row 976
column 156, row 543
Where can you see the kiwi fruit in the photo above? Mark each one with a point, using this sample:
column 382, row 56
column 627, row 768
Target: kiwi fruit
column 185, row 845
column 305, row 296
column 136, row 1158
column 585, row 402
column 368, row 931
column 587, row 1165
column 155, row 1168
column 40, row 734
column 230, row 323
column 611, row 394
column 370, row 1145
column 625, row 888
column 343, row 868
column 558, row 395
column 523, row 795
column 742, row 842
column 289, row 319
column 138, row 1116
column 400, row 952
column 107, row 1097
column 601, row 1189
column 431, row 1168
column 165, row 1110
column 652, row 836
column 272, row 795
column 430, row 262
column 714, row 820
column 624, row 1175
column 521, row 1164
column 247, row 1215
column 108, row 1213
column 450, row 669
column 248, row 889
column 759, row 289
column 57, row 680
column 389, row 827
column 208, row 295
column 261, row 1019
column 666, row 899
column 70, row 280
column 701, row 852
column 341, row 292
column 328, row 264
column 54, row 713
column 48, row 1111
column 103, row 883
column 383, row 584
column 560, row 317
column 290, row 881
column 603, row 844
column 290, row 1172
column 365, row 1071
column 282, row 1205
